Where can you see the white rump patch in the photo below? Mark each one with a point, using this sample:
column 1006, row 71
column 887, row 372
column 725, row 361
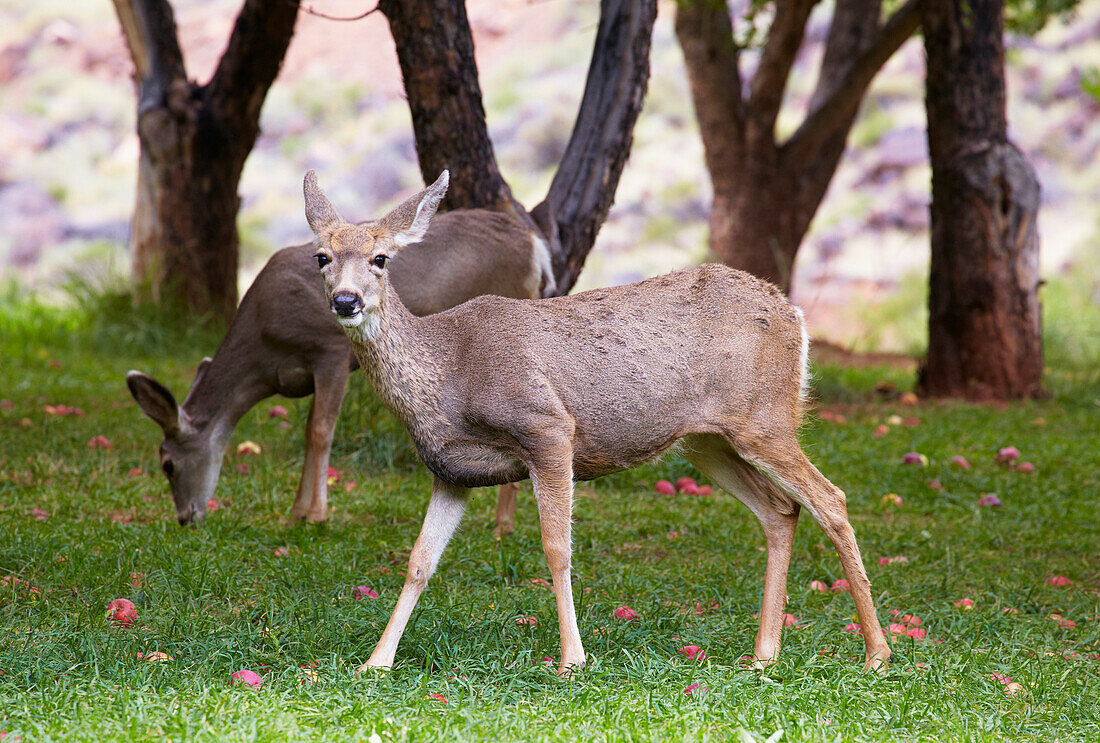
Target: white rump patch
column 804, row 359
column 542, row 268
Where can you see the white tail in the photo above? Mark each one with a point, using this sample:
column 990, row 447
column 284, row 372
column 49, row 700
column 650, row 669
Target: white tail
column 585, row 385
column 283, row 340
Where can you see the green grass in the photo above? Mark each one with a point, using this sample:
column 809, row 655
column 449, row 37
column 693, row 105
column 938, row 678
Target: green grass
column 218, row 599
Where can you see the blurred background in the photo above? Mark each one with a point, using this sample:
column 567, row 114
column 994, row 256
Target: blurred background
column 69, row 151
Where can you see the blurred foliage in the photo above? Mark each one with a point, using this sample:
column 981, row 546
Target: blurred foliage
column 1090, row 82
column 1030, row 16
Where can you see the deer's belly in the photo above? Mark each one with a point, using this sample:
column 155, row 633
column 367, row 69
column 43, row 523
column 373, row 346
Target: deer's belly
column 473, row 465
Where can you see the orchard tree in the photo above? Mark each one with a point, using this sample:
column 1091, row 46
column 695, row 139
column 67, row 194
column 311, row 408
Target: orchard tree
column 436, row 53
column 767, row 190
column 984, row 338
column 194, row 140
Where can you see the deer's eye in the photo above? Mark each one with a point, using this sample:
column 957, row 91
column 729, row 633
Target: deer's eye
column 168, row 467
column 379, row 261
column 322, row 260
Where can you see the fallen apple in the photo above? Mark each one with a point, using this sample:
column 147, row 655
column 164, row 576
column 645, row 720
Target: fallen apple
column 245, row 676
column 694, row 652
column 248, row 448
column 364, row 592
column 625, row 613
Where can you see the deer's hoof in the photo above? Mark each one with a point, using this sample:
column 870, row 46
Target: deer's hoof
column 368, row 667
column 761, row 664
column 570, row 670
column 877, row 661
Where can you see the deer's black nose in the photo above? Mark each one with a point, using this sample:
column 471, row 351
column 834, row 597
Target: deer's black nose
column 346, row 304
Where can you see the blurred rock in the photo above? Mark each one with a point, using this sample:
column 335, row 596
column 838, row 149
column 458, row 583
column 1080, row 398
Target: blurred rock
column 897, row 151
column 30, row 220
column 381, row 177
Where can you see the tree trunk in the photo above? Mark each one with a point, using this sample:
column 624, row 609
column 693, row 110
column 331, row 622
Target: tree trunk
column 194, row 142
column 754, row 227
column 984, row 338
column 185, row 223
column 436, row 52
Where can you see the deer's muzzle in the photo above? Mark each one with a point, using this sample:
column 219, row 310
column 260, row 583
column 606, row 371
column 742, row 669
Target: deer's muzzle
column 346, row 304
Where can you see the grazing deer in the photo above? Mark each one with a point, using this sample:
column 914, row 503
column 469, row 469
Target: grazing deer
column 571, row 388
column 283, row 340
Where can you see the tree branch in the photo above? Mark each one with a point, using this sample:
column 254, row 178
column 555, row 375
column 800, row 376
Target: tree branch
column 844, row 101
column 250, row 63
column 770, row 79
column 853, row 29
column 705, row 33
column 584, row 185
column 327, row 17
column 149, row 28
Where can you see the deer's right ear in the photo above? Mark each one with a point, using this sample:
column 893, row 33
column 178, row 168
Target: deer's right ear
column 320, row 214
column 155, row 401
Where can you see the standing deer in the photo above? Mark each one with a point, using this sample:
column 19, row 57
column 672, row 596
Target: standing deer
column 571, row 388
column 283, row 340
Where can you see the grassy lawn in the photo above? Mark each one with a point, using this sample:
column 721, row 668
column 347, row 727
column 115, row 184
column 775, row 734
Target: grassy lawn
column 248, row 591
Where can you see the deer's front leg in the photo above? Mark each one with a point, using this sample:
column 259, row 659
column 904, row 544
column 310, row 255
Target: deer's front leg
column 328, row 395
column 554, row 490
column 444, row 514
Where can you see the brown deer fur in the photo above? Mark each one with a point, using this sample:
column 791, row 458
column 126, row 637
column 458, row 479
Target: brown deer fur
column 283, row 340
column 497, row 389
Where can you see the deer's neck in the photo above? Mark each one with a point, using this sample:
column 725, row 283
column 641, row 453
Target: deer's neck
column 221, row 397
column 405, row 368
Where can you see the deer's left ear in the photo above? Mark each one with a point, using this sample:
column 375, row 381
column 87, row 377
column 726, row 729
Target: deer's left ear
column 409, row 222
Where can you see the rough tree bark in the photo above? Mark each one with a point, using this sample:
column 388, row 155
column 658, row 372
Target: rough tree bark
column 435, row 50
column 766, row 192
column 194, row 141
column 984, row 336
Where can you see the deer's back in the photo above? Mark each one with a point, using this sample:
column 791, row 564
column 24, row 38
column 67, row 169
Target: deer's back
column 466, row 254
column 633, row 367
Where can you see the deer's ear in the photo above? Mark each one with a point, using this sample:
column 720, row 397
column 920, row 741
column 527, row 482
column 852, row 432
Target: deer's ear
column 200, row 372
column 409, row 222
column 320, row 214
column 155, row 401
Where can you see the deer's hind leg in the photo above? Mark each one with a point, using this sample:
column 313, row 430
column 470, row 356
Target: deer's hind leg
column 552, row 477
column 778, row 517
column 782, row 460
column 506, row 510
column 329, row 385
